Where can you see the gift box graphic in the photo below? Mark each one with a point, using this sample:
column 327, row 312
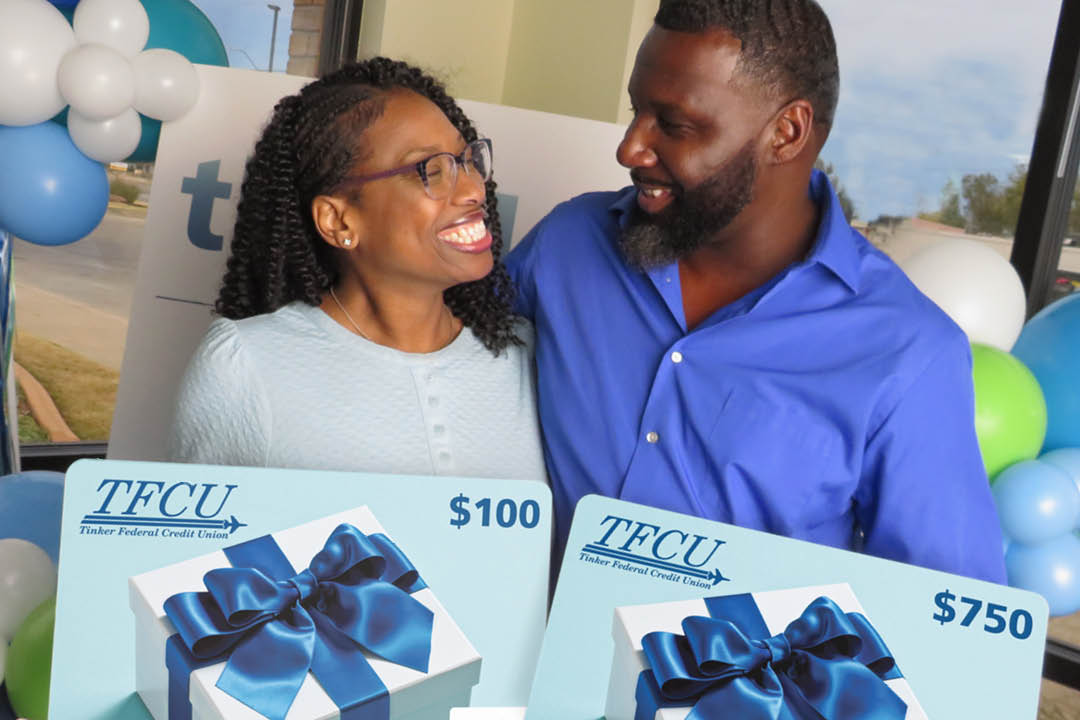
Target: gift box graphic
column 802, row 654
column 323, row 620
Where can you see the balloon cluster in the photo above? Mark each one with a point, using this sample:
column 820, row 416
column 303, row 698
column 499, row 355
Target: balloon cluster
column 29, row 546
column 114, row 81
column 1027, row 409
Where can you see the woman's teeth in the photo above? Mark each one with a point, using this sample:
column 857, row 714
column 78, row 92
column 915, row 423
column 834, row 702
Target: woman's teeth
column 654, row 192
column 465, row 234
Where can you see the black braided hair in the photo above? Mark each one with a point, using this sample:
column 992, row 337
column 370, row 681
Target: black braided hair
column 787, row 45
column 312, row 140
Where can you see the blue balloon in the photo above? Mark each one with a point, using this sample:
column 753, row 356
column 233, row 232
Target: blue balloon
column 1051, row 569
column 50, row 193
column 64, row 3
column 1050, row 346
column 1068, row 459
column 30, row 508
column 1035, row 501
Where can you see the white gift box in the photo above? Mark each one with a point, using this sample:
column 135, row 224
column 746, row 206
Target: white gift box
column 777, row 608
column 488, row 713
column 453, row 668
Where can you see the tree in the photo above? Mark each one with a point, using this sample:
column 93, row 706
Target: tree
column 1012, row 196
column 950, row 212
column 983, row 200
column 846, row 203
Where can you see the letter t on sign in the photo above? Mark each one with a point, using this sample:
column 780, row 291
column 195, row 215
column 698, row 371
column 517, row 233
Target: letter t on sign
column 204, row 188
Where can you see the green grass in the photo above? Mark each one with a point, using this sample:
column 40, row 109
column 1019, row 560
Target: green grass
column 30, row 432
column 84, row 392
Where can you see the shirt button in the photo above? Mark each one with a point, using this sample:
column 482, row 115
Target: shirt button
column 676, row 357
column 439, row 429
column 444, row 457
column 652, row 437
column 433, row 401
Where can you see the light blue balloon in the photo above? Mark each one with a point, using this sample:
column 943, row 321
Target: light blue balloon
column 30, row 508
column 1050, row 346
column 1068, row 459
column 50, row 193
column 1035, row 501
column 1051, row 569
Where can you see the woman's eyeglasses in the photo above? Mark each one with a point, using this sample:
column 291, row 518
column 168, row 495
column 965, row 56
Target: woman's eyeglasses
column 439, row 172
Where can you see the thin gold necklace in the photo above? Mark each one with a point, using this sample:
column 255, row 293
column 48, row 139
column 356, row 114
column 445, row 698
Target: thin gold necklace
column 361, row 332
column 348, row 316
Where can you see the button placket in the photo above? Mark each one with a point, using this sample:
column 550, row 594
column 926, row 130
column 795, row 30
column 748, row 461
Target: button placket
column 435, row 421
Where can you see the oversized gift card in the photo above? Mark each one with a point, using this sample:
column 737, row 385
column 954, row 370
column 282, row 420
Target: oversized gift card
column 662, row 616
column 191, row 592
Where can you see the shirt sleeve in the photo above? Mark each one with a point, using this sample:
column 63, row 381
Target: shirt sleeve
column 924, row 497
column 221, row 416
column 521, row 264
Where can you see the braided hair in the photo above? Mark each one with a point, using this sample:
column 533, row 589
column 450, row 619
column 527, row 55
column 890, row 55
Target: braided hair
column 787, row 45
column 312, row 140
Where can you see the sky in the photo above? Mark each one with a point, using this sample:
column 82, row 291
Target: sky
column 245, row 27
column 931, row 90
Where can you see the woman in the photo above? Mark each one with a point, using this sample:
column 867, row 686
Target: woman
column 365, row 316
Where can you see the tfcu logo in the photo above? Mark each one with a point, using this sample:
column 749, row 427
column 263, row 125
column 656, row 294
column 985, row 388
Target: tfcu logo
column 665, row 553
column 150, row 508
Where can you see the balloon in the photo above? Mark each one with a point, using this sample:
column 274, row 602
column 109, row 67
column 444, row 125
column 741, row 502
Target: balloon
column 30, row 508
column 1067, row 459
column 166, row 85
column 1010, row 412
column 34, row 37
column 27, row 577
column 97, row 81
column 1051, row 569
column 1036, row 502
column 122, row 25
column 50, row 193
column 177, row 25
column 30, row 663
column 106, row 140
column 975, row 286
column 64, row 4
column 3, row 655
column 1050, row 346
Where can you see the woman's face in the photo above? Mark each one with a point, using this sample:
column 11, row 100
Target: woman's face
column 403, row 238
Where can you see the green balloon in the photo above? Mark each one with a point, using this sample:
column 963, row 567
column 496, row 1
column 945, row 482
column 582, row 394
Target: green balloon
column 29, row 663
column 1010, row 410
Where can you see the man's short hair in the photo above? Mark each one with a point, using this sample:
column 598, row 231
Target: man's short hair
column 787, row 45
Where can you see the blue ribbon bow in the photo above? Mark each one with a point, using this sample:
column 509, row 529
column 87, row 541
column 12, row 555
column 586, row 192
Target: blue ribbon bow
column 827, row 665
column 354, row 595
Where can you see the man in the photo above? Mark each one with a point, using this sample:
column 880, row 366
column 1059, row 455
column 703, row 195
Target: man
column 718, row 341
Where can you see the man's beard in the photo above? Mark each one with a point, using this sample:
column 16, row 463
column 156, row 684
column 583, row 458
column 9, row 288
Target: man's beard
column 692, row 217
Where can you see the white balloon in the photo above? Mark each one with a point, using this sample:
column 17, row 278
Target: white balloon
column 97, row 81
column 975, row 286
column 34, row 37
column 122, row 25
column 166, row 85
column 27, row 579
column 106, row 140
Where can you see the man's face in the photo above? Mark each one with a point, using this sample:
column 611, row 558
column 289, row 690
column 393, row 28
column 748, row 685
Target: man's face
column 692, row 146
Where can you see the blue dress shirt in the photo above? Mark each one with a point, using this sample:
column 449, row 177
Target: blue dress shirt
column 832, row 401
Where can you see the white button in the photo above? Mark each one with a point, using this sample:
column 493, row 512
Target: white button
column 667, row 279
column 676, row 357
column 433, row 401
column 444, row 457
column 652, row 437
column 439, row 429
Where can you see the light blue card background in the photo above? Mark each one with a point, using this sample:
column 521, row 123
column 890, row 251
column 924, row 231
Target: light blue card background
column 492, row 580
column 954, row 671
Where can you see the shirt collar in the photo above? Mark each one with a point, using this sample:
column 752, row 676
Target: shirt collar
column 832, row 248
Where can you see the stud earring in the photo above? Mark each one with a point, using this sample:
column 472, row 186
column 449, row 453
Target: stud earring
column 346, row 241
